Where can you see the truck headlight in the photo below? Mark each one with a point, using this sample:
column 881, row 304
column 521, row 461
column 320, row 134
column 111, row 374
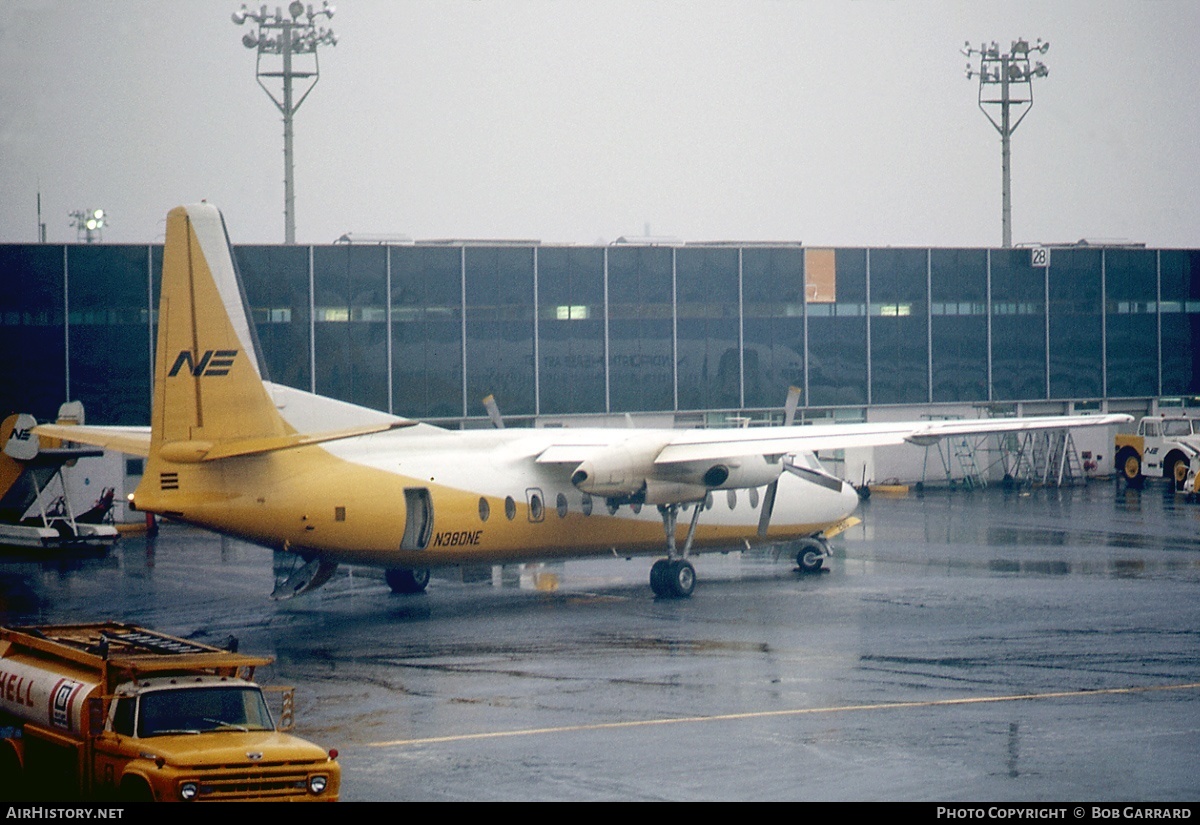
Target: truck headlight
column 316, row 784
column 188, row 791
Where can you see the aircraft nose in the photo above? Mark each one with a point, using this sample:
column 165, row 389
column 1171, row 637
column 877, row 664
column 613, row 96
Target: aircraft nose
column 849, row 497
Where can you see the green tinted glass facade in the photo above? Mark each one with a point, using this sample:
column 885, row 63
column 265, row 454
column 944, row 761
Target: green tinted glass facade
column 427, row 330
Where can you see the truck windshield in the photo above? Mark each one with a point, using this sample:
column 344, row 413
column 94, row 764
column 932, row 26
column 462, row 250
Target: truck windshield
column 1177, row 427
column 201, row 710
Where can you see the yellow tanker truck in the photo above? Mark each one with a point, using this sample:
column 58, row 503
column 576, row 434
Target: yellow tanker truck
column 108, row 711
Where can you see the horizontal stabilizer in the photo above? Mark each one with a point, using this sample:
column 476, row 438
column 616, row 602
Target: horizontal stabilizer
column 128, row 440
column 192, row 451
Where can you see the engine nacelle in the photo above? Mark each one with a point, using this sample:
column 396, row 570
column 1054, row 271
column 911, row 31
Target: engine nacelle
column 620, row 470
column 628, row 470
column 726, row 474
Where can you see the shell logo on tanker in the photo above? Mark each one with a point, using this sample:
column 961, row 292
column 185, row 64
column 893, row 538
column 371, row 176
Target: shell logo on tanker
column 16, row 689
column 22, row 689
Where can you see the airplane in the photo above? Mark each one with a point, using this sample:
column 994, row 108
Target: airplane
column 331, row 482
column 28, row 469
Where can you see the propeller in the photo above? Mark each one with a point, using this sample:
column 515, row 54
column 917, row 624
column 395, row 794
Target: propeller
column 789, row 416
column 493, row 411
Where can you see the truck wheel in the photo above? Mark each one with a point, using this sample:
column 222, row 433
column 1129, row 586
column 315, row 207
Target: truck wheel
column 11, row 774
column 135, row 789
column 1177, row 470
column 1129, row 463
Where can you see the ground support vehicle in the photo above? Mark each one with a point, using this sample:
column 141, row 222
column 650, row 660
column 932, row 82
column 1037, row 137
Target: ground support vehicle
column 108, row 711
column 1164, row 446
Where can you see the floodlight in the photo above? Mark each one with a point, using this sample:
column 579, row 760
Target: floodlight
column 1005, row 80
column 291, row 37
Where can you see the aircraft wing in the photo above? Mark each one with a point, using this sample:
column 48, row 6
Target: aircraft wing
column 684, row 446
column 706, row 445
column 129, row 440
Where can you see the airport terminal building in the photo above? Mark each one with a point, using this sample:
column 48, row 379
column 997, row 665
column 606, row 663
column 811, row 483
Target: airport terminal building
column 674, row 333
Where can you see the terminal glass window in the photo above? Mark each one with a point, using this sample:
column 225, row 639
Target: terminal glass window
column 836, row 307
column 899, row 326
column 1180, row 313
column 708, row 358
column 959, row 324
column 500, row 328
column 1076, row 323
column 31, row 322
column 1131, row 322
column 773, row 324
column 640, row 328
column 1018, row 326
column 350, row 323
column 108, row 318
column 571, row 329
column 427, row 369
column 276, row 283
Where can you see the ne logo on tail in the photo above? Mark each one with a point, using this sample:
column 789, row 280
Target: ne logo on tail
column 211, row 363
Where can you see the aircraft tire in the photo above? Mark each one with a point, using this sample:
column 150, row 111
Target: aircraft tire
column 659, row 574
column 681, row 578
column 810, row 556
column 406, row 581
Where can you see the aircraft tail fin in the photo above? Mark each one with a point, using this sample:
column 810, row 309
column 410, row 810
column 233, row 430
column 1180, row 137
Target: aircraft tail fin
column 209, row 380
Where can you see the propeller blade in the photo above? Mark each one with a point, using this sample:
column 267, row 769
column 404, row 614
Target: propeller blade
column 493, row 411
column 768, row 504
column 789, row 408
column 789, row 416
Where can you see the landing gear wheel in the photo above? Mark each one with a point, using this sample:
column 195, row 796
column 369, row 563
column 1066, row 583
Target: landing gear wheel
column 681, row 578
column 673, row 578
column 659, row 573
column 404, row 580
column 810, row 556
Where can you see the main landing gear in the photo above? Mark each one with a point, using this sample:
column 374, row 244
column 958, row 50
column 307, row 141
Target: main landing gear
column 406, row 581
column 674, row 577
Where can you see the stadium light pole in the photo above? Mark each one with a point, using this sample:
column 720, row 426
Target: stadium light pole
column 1006, row 81
column 287, row 36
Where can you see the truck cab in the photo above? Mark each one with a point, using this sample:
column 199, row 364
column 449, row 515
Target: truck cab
column 1165, row 446
column 117, row 712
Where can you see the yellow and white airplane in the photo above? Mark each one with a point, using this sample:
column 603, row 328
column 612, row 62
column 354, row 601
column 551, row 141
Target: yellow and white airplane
column 332, row 482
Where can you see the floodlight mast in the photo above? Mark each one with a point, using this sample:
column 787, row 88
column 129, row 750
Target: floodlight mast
column 287, row 35
column 89, row 224
column 1006, row 80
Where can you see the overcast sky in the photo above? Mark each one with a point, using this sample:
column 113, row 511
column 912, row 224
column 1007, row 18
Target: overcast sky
column 832, row 122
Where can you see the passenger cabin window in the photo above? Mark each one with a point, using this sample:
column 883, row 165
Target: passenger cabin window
column 537, row 509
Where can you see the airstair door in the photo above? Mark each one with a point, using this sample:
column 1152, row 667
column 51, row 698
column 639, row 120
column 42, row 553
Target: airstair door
column 418, row 526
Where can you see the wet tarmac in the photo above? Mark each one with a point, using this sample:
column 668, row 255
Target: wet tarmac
column 964, row 646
